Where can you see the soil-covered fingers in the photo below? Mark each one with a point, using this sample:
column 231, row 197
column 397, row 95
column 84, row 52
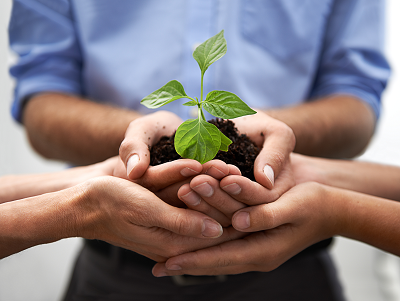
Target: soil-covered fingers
column 275, row 153
column 276, row 140
column 142, row 133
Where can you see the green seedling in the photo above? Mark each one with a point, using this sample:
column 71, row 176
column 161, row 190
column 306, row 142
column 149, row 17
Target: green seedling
column 196, row 138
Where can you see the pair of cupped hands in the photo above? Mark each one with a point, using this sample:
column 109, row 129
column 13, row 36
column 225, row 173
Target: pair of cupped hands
column 208, row 219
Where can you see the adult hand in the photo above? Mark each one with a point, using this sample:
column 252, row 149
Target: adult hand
column 220, row 199
column 141, row 134
column 127, row 215
column 276, row 141
column 299, row 218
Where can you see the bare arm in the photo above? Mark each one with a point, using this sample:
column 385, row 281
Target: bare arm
column 338, row 126
column 107, row 208
column 365, row 177
column 73, row 129
column 15, row 187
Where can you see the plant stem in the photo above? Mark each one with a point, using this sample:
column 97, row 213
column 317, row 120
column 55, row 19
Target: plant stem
column 200, row 105
column 201, row 87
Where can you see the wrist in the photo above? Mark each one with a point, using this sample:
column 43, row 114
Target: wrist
column 337, row 210
column 84, row 210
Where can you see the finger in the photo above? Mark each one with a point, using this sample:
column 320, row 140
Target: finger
column 234, row 170
column 120, row 170
column 262, row 251
column 278, row 144
column 232, row 257
column 194, row 201
column 268, row 216
column 134, row 150
column 209, row 189
column 170, row 194
column 142, row 133
column 184, row 222
column 161, row 176
column 217, row 169
column 252, row 193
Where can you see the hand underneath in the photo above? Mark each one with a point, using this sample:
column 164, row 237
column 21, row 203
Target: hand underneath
column 127, row 215
column 221, row 198
column 298, row 219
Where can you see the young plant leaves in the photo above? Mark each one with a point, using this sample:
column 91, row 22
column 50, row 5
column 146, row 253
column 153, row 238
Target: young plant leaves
column 171, row 91
column 225, row 142
column 226, row 105
column 191, row 103
column 197, row 139
column 210, row 51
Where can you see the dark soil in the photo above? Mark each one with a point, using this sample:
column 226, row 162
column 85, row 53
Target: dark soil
column 242, row 152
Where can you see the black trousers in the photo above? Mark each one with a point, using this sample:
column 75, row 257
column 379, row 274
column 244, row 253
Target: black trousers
column 308, row 276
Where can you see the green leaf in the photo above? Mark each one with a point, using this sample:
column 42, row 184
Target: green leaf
column 197, row 139
column 190, row 103
column 225, row 142
column 171, row 91
column 226, row 105
column 210, row 51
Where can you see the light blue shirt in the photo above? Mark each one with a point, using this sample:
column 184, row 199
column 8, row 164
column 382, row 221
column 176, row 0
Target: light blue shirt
column 280, row 52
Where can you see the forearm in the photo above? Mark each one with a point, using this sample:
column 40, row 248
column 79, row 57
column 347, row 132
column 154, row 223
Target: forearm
column 38, row 220
column 365, row 177
column 75, row 130
column 369, row 178
column 368, row 219
column 15, row 187
column 337, row 127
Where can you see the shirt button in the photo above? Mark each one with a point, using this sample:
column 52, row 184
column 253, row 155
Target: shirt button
column 193, row 112
column 195, row 45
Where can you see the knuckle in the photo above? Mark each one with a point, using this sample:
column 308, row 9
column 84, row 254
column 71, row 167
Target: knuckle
column 267, row 216
column 223, row 262
column 125, row 147
column 182, row 224
column 278, row 158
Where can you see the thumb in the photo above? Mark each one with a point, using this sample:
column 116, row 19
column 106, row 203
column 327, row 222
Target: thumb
column 262, row 217
column 277, row 146
column 184, row 222
column 142, row 133
column 135, row 154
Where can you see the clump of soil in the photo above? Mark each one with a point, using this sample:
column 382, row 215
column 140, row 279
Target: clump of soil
column 242, row 152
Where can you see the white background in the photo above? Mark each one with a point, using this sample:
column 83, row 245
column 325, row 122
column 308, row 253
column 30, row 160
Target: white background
column 41, row 273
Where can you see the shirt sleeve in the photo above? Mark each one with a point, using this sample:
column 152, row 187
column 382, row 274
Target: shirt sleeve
column 42, row 34
column 352, row 60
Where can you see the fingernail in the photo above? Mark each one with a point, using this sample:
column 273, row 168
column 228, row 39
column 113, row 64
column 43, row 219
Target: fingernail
column 242, row 220
column 191, row 198
column 204, row 189
column 188, row 172
column 232, row 188
column 211, row 229
column 174, row 267
column 132, row 162
column 269, row 173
